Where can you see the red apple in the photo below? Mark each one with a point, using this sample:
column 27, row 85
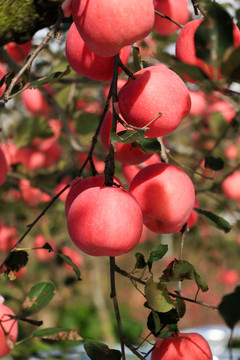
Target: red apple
column 105, row 221
column 3, row 168
column 176, row 10
column 186, row 52
column 229, row 277
column 166, row 196
column 60, row 186
column 130, row 171
column 107, row 26
column 124, row 153
column 35, row 102
column 222, row 106
column 85, row 62
column 231, row 152
column 19, row 52
column 199, row 103
column 8, row 330
column 43, row 255
column 231, row 186
column 79, row 185
column 32, row 195
column 8, row 238
column 184, row 346
column 156, row 89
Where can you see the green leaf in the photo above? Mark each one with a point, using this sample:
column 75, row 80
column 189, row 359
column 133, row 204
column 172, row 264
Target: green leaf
column 214, row 36
column 231, row 66
column 157, row 296
column 179, row 270
column 201, row 283
column 213, row 163
column 194, row 72
column 140, row 261
column 68, row 261
column 181, row 306
column 86, row 123
column 96, row 350
column 149, row 145
column 49, row 78
column 214, row 219
column 16, row 261
column 126, row 136
column 229, row 308
column 157, row 254
column 29, row 129
column 38, row 298
column 137, row 59
column 58, row 334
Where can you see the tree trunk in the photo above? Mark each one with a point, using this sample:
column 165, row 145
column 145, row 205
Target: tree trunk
column 20, row 19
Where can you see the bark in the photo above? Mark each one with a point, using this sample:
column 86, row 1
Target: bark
column 20, row 19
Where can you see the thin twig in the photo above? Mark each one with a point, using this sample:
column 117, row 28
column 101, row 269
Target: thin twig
column 126, row 274
column 113, row 296
column 168, row 18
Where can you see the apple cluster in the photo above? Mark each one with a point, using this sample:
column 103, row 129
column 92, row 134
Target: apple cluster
column 108, row 221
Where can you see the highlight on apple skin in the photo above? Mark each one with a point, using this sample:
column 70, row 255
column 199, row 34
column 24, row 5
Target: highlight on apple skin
column 79, row 184
column 105, row 221
column 184, row 346
column 96, row 19
column 85, row 62
column 166, row 196
column 156, row 89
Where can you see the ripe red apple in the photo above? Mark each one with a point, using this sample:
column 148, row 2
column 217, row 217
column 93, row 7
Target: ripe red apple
column 166, row 196
column 3, row 168
column 229, row 277
column 156, row 89
column 79, row 185
column 43, row 255
column 32, row 195
column 222, row 106
column 186, row 52
column 199, row 103
column 124, row 153
column 19, row 52
column 35, row 102
column 105, row 221
column 60, row 186
column 8, row 330
column 184, row 346
column 176, row 10
column 8, row 238
column 231, row 151
column 231, row 186
column 130, row 171
column 85, row 62
column 95, row 20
